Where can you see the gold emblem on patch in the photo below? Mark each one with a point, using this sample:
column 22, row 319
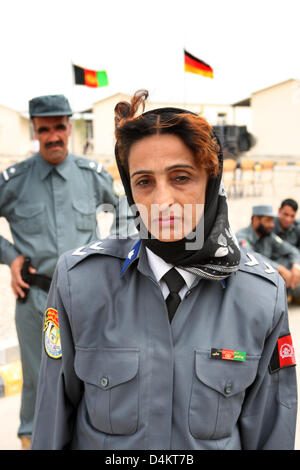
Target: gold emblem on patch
column 51, row 334
column 118, row 188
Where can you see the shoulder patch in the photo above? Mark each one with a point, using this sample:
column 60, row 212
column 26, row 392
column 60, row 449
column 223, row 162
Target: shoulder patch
column 89, row 164
column 52, row 341
column 15, row 170
column 253, row 263
column 118, row 188
column 283, row 355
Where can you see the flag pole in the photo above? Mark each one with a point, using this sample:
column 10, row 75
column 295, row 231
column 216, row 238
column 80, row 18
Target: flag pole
column 184, row 79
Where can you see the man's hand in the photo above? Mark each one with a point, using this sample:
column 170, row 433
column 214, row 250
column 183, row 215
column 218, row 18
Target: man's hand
column 295, row 275
column 17, row 283
column 286, row 274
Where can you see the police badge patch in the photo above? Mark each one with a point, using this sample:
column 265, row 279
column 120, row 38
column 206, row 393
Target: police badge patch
column 283, row 355
column 51, row 334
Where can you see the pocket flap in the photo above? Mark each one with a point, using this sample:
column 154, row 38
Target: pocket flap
column 84, row 207
column 225, row 376
column 106, row 368
column 27, row 211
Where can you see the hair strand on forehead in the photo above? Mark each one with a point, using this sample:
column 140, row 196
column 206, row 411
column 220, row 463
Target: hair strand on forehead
column 193, row 130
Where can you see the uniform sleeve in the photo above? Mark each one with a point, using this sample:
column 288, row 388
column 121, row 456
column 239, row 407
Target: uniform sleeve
column 283, row 249
column 268, row 418
column 109, row 199
column 59, row 389
column 8, row 251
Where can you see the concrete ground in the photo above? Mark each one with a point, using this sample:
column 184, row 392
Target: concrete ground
column 285, row 184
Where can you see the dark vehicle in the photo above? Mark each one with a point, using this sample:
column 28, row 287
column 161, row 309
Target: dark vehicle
column 235, row 140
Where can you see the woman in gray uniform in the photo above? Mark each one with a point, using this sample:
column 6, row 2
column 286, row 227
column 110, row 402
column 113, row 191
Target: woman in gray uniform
column 175, row 339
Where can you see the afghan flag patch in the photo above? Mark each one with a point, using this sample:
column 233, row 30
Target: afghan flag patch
column 283, row 355
column 51, row 334
column 228, row 354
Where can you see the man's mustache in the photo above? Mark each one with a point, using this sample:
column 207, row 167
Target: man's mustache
column 54, row 144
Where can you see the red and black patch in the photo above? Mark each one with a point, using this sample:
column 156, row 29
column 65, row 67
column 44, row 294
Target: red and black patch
column 283, row 355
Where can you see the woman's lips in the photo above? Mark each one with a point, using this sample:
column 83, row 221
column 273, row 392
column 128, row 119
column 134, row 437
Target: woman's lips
column 166, row 221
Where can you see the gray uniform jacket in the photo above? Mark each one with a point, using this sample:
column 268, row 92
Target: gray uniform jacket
column 291, row 235
column 272, row 248
column 124, row 378
column 52, row 209
column 4, row 248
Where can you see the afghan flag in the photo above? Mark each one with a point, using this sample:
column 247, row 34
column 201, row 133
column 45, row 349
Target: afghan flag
column 194, row 65
column 91, row 78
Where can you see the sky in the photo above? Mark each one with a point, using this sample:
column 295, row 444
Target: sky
column 249, row 44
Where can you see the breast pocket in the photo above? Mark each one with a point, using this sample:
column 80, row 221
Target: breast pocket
column 217, row 395
column 30, row 218
column 85, row 215
column 111, row 388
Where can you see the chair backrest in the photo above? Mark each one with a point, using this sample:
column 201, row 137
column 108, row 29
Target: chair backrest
column 267, row 164
column 229, row 165
column 247, row 165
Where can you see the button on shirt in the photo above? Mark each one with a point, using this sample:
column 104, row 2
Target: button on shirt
column 160, row 268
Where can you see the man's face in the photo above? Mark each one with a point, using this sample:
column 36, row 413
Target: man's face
column 53, row 134
column 286, row 217
column 263, row 225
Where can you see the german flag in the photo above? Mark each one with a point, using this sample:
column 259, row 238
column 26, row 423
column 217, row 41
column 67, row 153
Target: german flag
column 91, row 78
column 194, row 65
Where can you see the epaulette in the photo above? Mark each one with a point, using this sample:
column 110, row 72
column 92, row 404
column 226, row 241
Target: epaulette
column 15, row 170
column 117, row 248
column 89, row 164
column 277, row 238
column 252, row 262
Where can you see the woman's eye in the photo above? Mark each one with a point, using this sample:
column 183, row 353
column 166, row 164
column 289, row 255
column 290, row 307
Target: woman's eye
column 142, row 182
column 182, row 178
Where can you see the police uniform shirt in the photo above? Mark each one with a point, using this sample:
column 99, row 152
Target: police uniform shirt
column 52, row 208
column 115, row 373
column 160, row 268
column 290, row 235
column 272, row 248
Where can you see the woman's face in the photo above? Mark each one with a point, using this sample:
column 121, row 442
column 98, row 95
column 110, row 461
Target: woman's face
column 168, row 186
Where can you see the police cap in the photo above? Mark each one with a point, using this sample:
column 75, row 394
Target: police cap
column 263, row 210
column 49, row 105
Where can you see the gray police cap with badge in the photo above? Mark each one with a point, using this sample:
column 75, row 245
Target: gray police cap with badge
column 49, row 105
column 263, row 210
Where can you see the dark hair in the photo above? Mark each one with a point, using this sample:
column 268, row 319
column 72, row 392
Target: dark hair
column 194, row 131
column 290, row 202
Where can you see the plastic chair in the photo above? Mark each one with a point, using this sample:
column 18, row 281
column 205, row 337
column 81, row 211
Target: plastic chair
column 229, row 176
column 247, row 177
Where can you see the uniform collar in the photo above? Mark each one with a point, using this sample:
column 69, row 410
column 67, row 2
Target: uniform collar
column 160, row 268
column 152, row 265
column 62, row 169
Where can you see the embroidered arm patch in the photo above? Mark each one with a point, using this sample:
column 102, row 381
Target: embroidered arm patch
column 51, row 334
column 283, row 355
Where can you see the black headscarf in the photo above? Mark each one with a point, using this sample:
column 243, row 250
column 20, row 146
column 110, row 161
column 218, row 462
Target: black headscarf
column 219, row 255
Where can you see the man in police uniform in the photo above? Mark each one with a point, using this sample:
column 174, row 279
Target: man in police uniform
column 50, row 201
column 286, row 225
column 279, row 254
